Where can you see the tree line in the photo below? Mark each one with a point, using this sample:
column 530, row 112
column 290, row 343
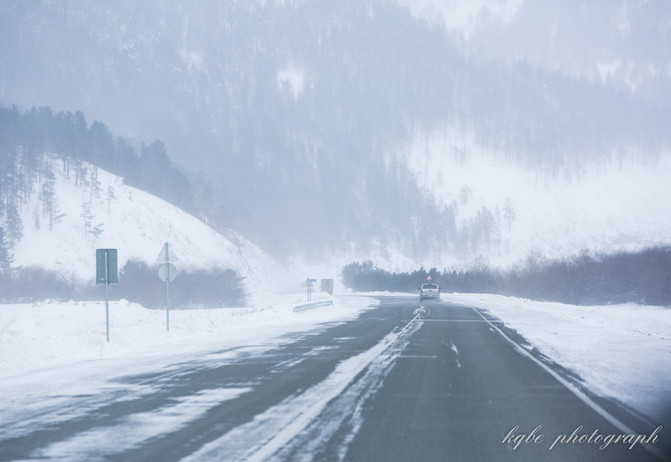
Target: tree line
column 138, row 282
column 640, row 277
column 24, row 137
column 35, row 143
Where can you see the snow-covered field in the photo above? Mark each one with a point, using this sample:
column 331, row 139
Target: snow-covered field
column 621, row 352
column 43, row 335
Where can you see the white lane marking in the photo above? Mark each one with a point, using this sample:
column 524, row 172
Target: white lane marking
column 289, row 363
column 573, row 389
column 477, row 321
column 270, row 431
column 346, row 409
column 402, row 356
column 454, row 348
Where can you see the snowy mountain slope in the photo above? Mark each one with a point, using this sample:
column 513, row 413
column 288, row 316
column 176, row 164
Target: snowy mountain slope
column 619, row 206
column 132, row 221
column 312, row 99
column 615, row 44
column 308, row 98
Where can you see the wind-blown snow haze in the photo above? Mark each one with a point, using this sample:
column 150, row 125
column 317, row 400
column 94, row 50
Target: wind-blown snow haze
column 407, row 132
column 335, row 230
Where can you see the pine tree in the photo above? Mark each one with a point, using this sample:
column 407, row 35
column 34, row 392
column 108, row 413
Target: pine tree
column 110, row 198
column 36, row 218
column 94, row 185
column 14, row 224
column 509, row 213
column 48, row 196
column 97, row 230
column 6, row 259
column 87, row 215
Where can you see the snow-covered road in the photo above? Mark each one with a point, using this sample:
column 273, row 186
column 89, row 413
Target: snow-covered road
column 57, row 367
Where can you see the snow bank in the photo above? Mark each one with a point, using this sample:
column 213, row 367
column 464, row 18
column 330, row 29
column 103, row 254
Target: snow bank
column 46, row 334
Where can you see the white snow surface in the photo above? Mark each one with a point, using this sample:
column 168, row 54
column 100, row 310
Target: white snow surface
column 621, row 352
column 293, row 79
column 54, row 349
column 134, row 222
column 41, row 335
column 618, row 206
column 57, row 364
column 460, row 17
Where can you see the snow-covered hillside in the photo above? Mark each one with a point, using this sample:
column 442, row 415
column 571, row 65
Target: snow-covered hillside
column 620, row 206
column 130, row 220
column 289, row 108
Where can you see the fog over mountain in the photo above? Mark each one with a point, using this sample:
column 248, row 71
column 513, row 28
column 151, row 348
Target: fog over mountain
column 622, row 45
column 303, row 116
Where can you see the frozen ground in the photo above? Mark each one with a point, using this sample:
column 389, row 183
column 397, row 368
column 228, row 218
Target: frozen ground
column 622, row 352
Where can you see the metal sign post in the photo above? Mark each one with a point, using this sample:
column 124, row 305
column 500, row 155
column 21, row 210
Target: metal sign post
column 107, row 309
column 106, row 273
column 308, row 286
column 167, row 272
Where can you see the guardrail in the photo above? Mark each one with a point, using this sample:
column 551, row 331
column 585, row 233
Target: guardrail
column 310, row 305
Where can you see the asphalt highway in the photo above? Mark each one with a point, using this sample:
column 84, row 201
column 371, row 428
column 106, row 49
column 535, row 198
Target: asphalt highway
column 406, row 381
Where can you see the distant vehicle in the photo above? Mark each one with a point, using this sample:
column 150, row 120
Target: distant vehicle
column 431, row 291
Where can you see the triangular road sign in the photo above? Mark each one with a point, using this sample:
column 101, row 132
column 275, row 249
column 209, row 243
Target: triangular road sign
column 167, row 254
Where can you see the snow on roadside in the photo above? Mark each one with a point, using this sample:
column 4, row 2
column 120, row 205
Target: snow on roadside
column 47, row 334
column 619, row 351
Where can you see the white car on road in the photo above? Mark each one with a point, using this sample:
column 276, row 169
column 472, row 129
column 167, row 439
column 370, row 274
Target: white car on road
column 431, row 291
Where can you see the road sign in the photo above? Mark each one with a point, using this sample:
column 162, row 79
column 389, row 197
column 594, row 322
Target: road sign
column 308, row 287
column 428, row 278
column 167, row 254
column 167, row 272
column 106, row 273
column 106, row 266
column 327, row 286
